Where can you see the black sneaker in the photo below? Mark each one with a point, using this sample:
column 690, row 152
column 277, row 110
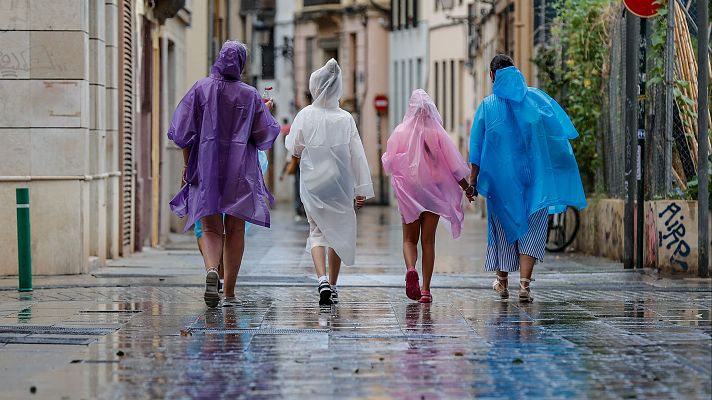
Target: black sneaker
column 325, row 294
column 334, row 295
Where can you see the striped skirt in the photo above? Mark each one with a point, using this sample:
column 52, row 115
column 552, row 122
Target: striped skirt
column 502, row 256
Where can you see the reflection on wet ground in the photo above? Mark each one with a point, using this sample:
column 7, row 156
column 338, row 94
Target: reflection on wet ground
column 374, row 344
column 593, row 332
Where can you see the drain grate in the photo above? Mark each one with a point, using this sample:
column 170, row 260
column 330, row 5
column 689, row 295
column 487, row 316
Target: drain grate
column 46, row 340
column 257, row 331
column 424, row 336
column 54, row 330
column 110, row 311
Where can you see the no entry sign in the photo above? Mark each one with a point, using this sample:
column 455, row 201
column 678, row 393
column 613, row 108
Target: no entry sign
column 380, row 102
column 642, row 8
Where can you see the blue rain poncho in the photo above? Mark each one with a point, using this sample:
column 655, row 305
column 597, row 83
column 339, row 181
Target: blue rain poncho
column 520, row 140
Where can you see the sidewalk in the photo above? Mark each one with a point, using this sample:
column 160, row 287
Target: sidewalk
column 139, row 328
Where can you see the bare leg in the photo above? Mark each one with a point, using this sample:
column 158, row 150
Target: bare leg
column 212, row 240
column 334, row 267
column 526, row 267
column 411, row 234
column 234, row 249
column 319, row 256
column 502, row 274
column 429, row 227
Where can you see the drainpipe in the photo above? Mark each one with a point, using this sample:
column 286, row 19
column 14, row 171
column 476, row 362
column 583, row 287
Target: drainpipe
column 703, row 134
column 157, row 31
column 211, row 33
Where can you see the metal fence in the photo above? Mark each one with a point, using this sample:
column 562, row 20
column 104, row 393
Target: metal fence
column 671, row 145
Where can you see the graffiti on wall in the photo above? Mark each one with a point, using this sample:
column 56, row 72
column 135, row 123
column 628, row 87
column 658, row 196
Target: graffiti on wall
column 675, row 236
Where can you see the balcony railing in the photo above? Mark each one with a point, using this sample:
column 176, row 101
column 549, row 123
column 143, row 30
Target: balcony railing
column 309, row 3
column 257, row 5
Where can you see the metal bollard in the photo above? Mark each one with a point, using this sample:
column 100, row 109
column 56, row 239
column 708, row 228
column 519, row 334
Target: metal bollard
column 24, row 251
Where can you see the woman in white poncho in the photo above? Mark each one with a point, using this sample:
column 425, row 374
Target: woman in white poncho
column 333, row 173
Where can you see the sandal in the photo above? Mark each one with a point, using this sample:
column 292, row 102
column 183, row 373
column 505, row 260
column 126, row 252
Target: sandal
column 500, row 288
column 211, row 296
column 412, row 285
column 525, row 293
column 425, row 297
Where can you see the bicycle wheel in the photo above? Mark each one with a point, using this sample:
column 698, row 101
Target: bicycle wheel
column 562, row 230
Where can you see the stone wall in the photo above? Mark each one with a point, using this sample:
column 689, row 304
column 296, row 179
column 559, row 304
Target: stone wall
column 670, row 242
column 58, row 126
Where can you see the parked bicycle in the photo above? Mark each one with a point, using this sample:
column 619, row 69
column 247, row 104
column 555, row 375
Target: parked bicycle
column 562, row 231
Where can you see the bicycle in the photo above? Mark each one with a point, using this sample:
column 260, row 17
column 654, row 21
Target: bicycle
column 562, row 230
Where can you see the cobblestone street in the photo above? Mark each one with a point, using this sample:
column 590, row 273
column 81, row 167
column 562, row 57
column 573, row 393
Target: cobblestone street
column 139, row 328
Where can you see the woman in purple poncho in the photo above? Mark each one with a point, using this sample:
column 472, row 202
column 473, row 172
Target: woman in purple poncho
column 220, row 124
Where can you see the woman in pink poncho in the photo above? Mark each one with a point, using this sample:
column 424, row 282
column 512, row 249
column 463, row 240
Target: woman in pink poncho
column 428, row 175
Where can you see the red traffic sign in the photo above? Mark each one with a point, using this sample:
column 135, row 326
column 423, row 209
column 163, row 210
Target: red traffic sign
column 642, row 8
column 380, row 102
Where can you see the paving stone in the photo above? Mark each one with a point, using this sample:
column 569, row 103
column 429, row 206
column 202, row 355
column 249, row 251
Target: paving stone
column 594, row 330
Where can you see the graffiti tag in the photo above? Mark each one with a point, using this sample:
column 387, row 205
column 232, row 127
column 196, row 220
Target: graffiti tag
column 675, row 235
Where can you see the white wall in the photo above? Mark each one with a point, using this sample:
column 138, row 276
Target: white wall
column 406, row 48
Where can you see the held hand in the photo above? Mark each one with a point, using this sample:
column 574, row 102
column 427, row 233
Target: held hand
column 360, row 201
column 471, row 193
column 270, row 105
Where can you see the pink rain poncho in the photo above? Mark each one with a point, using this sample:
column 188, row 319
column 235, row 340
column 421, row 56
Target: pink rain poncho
column 425, row 166
column 224, row 122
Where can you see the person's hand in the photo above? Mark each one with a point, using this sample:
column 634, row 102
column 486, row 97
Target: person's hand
column 471, row 193
column 270, row 105
column 360, row 201
column 182, row 175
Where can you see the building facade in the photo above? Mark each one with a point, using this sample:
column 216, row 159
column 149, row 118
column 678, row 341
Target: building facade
column 354, row 32
column 408, row 54
column 79, row 118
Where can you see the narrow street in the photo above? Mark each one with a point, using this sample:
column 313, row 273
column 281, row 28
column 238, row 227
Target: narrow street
column 139, row 328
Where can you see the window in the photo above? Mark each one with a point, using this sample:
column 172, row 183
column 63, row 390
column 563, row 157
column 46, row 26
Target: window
column 436, row 80
column 394, row 19
column 309, row 65
column 419, row 72
column 444, row 98
column 416, row 17
column 352, row 60
column 452, row 94
column 404, row 89
column 411, row 86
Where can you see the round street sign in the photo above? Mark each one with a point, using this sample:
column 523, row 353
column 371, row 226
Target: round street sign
column 380, row 102
column 642, row 8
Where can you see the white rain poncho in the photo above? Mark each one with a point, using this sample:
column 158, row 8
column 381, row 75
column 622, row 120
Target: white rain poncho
column 333, row 167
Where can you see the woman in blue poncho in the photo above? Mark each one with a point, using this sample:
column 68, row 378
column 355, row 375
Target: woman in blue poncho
column 522, row 162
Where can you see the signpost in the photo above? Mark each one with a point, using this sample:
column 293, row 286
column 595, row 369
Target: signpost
column 643, row 9
column 380, row 103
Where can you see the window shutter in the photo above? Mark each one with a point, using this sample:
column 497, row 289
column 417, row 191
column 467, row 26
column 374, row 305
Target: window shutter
column 126, row 124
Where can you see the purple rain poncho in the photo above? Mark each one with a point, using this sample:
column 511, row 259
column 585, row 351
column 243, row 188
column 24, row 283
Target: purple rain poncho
column 224, row 122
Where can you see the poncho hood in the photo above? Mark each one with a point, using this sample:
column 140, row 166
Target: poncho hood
column 510, row 84
column 325, row 85
column 230, row 62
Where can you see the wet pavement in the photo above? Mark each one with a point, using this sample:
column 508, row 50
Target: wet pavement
column 139, row 329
